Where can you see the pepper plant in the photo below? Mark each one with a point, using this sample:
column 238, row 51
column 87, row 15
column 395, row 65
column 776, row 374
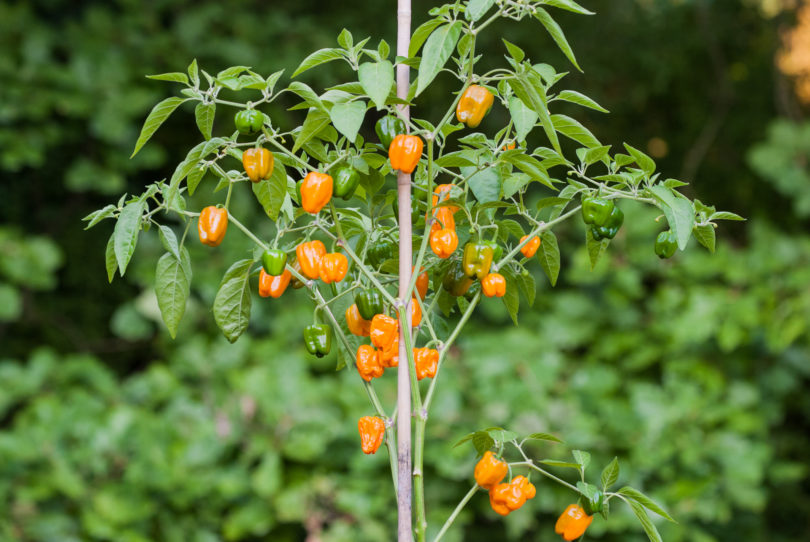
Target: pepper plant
column 458, row 217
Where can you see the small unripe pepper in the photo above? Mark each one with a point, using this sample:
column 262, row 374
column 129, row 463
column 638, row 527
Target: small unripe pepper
column 489, row 471
column 309, row 257
column 345, row 182
column 456, row 282
column 274, row 261
column 405, row 152
column 379, row 252
column 443, row 242
column 248, row 121
column 530, row 248
column 369, row 302
column 494, row 285
column 666, row 244
column 316, row 191
column 273, row 286
column 333, row 267
column 356, row 323
column 572, row 523
column 212, row 225
column 477, row 259
column 258, row 164
column 387, row 129
column 497, row 250
column 368, row 363
column 422, row 283
column 611, row 226
column 426, row 361
column 596, row 210
column 475, row 102
column 384, row 330
column 372, row 431
column 318, row 339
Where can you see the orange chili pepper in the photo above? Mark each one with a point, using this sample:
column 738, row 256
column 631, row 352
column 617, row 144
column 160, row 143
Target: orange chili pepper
column 572, row 522
column 333, row 267
column 416, row 313
column 389, row 356
column 309, row 256
column 273, row 286
column 405, row 152
column 426, row 361
column 506, row 498
column 509, row 146
column 384, row 330
column 473, row 105
column 526, row 487
column 258, row 164
column 372, row 430
column 494, row 285
column 442, row 192
column 489, row 471
column 368, row 363
column 212, row 225
column 357, row 324
column 444, row 220
column 530, row 248
column 422, row 283
column 443, row 242
column 316, row 191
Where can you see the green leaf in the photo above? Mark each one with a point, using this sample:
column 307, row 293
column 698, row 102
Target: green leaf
column 589, row 491
column 194, row 73
column 645, row 501
column 377, row 79
column 316, row 121
column 499, row 434
column 705, row 236
column 610, row 474
column 725, row 215
column 270, row 192
column 596, row 154
column 514, row 51
column 466, row 438
column 644, row 162
column 580, row 99
column 544, row 436
column 529, row 165
column 345, row 39
column 456, row 159
column 515, row 183
column 109, row 258
column 126, row 233
column 528, row 285
column 421, row 34
column 348, row 117
column 486, row 185
column 307, row 94
column 646, row 523
column 204, row 114
column 169, row 240
column 232, row 302
column 562, row 464
column 482, row 441
column 511, row 299
column 172, row 289
column 477, row 9
column 321, row 56
column 523, row 118
column 574, row 130
column 97, row 216
column 556, row 34
column 177, row 77
column 549, row 256
column 595, row 248
column 438, row 48
column 527, row 87
column 569, row 5
column 194, row 178
column 155, row 118
column 679, row 211
column 582, row 458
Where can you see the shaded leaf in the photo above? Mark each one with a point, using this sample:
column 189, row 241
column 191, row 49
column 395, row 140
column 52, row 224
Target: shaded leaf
column 549, row 256
column 232, row 302
column 156, row 117
column 438, row 48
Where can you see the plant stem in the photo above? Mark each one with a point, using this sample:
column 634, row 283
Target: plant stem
column 473, row 490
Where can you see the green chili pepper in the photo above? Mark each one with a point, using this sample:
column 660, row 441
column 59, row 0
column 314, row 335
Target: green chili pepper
column 456, row 282
column 666, row 244
column 388, row 128
column 318, row 339
column 369, row 303
column 596, row 211
column 345, row 181
column 274, row 261
column 611, row 226
column 379, row 252
column 477, row 259
column 249, row 121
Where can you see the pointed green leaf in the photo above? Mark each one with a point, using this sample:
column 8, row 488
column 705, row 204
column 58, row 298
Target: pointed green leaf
column 511, row 299
column 572, row 129
column 477, row 9
column 316, row 121
column 523, row 118
column 126, row 233
column 530, row 166
column 595, row 248
column 582, row 458
column 514, row 51
column 347, row 118
column 562, row 464
column 232, row 302
column 438, row 48
column 705, row 236
column 644, row 162
column 569, row 5
column 526, row 88
column 97, row 216
column 172, row 289
column 377, row 79
column 270, row 192
column 544, row 436
column 485, row 185
column 646, row 523
column 645, row 501
column 679, row 211
column 580, row 99
column 725, row 215
column 176, row 77
column 155, row 118
column 421, row 34
column 610, row 474
column 556, row 34
column 204, row 114
column 549, row 256
column 110, row 260
column 307, row 94
column 317, row 58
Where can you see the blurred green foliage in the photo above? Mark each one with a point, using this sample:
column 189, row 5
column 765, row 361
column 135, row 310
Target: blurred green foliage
column 693, row 371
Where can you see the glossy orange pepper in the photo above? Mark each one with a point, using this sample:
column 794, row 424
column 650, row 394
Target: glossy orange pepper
column 530, row 248
column 422, row 283
column 509, row 146
column 506, row 498
column 357, row 324
column 258, row 164
column 416, row 313
column 273, row 286
column 442, row 193
column 405, row 152
column 473, row 105
column 494, row 285
column 333, row 267
column 212, row 225
column 372, row 431
column 573, row 522
column 444, row 220
column 526, row 487
column 426, row 361
column 368, row 363
column 309, row 256
column 384, row 330
column 389, row 356
column 443, row 242
column 489, row 471
column 316, row 191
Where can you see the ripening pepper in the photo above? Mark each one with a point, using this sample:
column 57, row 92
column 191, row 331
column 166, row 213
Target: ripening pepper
column 594, row 504
column 497, row 250
column 273, row 286
column 477, row 259
column 509, row 146
column 356, row 323
column 369, row 302
column 489, row 471
column 456, row 282
column 611, row 226
column 368, row 363
column 318, row 339
column 596, row 211
column 572, row 522
column 426, row 361
column 294, row 282
column 212, row 225
column 345, row 182
column 258, row 164
column 443, row 220
column 248, row 121
column 473, row 105
column 379, row 252
column 443, row 242
column 405, row 152
column 274, row 261
column 387, row 129
column 372, row 430
column 416, row 313
column 389, row 356
column 309, row 256
column 422, row 283
column 530, row 248
column 316, row 191
column 666, row 244
column 384, row 330
column 333, row 267
column 494, row 285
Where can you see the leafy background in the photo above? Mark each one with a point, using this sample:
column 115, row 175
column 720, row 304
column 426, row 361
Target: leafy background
column 694, row 371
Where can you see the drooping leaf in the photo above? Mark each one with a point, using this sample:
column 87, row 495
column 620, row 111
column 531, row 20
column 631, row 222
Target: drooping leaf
column 172, row 288
column 109, row 258
column 556, row 34
column 526, row 88
column 316, row 121
column 573, row 129
column 421, row 34
column 679, row 211
column 126, row 233
column 705, row 236
column 595, row 248
column 232, row 302
column 317, row 58
column 156, row 117
column 580, row 99
column 477, row 9
column 438, row 48
column 270, row 192
column 645, row 501
column 485, row 185
column 646, row 523
column 204, row 115
column 523, row 118
column 549, row 256
column 377, row 78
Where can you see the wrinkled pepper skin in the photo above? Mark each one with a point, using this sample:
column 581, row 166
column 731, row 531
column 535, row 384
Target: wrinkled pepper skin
column 316, row 191
column 456, row 282
column 384, row 330
column 345, row 182
column 212, row 225
column 530, row 249
column 426, row 361
column 309, row 256
column 372, row 431
column 274, row 261
column 506, row 498
column 258, row 164
column 443, row 242
column 405, row 152
column 572, row 523
column 474, row 104
column 379, row 252
column 333, row 267
column 422, row 283
column 611, row 226
column 368, row 363
column 356, row 323
column 494, row 285
column 490, row 471
column 443, row 220
column 273, row 286
column 477, row 260
column 248, row 121
column 526, row 487
column 318, row 339
column 387, row 129
column 596, row 211
column 389, row 356
column 666, row 244
column 369, row 302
